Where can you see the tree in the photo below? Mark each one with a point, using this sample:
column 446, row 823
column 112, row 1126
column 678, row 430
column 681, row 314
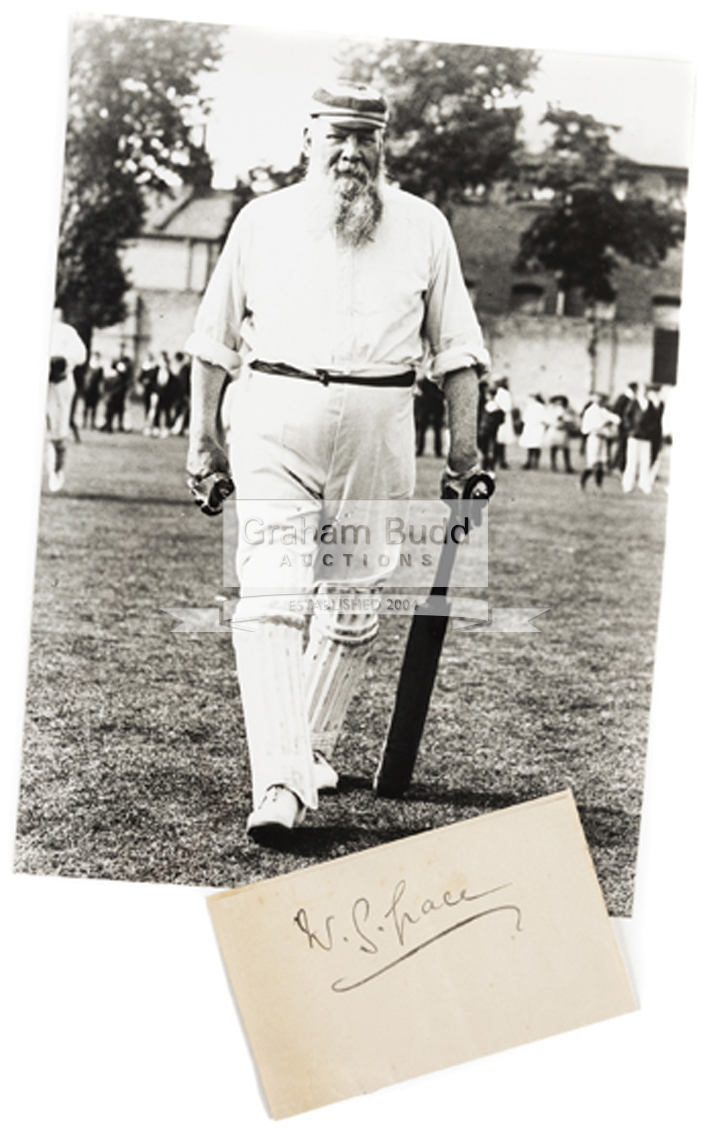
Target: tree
column 589, row 224
column 133, row 116
column 452, row 129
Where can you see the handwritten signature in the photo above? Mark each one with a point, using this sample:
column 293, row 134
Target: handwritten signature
column 397, row 927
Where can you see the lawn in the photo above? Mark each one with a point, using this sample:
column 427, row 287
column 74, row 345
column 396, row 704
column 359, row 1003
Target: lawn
column 135, row 764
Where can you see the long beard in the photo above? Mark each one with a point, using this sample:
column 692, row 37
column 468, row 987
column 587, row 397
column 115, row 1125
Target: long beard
column 349, row 206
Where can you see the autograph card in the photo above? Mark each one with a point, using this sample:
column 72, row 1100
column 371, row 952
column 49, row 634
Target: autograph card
column 421, row 954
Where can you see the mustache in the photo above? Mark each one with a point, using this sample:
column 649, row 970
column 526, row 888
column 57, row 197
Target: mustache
column 359, row 171
column 356, row 174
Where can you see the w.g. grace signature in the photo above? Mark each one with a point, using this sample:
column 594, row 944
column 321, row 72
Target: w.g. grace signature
column 401, row 930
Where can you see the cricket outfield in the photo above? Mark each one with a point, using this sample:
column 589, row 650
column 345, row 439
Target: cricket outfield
column 135, row 764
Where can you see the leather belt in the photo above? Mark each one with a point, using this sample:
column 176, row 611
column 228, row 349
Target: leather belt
column 325, row 377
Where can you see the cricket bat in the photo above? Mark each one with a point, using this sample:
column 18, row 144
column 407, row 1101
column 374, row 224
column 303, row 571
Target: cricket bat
column 419, row 668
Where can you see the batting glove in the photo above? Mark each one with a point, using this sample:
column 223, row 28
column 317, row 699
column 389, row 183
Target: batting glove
column 210, row 492
column 471, row 484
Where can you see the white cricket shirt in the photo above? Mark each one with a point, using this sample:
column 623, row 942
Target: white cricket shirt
column 284, row 291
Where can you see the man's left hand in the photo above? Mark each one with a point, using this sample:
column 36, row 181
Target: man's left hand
column 471, row 484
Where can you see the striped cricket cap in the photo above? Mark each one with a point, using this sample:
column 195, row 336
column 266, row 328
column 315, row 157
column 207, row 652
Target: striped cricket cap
column 350, row 103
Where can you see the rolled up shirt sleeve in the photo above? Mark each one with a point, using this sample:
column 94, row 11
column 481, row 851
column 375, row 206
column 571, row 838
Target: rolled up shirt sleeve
column 215, row 338
column 451, row 326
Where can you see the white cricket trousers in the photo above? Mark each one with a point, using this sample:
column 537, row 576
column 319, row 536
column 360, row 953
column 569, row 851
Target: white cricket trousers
column 293, row 444
column 638, row 466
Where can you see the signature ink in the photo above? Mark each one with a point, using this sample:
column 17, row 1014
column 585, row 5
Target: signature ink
column 341, row 986
column 301, row 921
column 399, row 926
column 401, row 918
column 363, row 904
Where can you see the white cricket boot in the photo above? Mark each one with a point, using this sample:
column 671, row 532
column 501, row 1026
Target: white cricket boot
column 279, row 811
column 325, row 776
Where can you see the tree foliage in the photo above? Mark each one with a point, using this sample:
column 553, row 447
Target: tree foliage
column 589, row 225
column 453, row 124
column 134, row 103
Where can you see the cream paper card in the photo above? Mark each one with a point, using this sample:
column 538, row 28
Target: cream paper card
column 421, row 954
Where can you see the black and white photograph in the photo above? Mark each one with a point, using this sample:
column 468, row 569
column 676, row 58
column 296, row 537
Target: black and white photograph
column 418, row 285
column 303, row 277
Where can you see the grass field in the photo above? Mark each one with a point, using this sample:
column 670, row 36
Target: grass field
column 135, row 764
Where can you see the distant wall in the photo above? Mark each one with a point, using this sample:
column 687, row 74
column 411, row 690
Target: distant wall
column 548, row 355
column 538, row 353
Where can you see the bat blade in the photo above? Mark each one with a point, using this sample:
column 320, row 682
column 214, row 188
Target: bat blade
column 413, row 695
column 423, row 651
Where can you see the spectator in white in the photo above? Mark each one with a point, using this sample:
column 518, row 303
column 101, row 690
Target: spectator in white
column 534, row 424
column 599, row 425
column 644, row 423
column 561, row 422
column 66, row 352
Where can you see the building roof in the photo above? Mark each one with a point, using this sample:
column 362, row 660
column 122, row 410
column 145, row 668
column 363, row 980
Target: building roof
column 678, row 173
column 187, row 213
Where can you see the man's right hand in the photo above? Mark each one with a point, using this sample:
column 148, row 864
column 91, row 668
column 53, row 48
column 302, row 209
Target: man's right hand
column 209, row 478
column 205, row 457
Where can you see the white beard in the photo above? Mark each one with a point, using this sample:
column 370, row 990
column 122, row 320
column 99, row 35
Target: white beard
column 346, row 205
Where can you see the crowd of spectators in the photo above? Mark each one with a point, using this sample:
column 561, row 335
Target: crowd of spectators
column 622, row 435
column 103, row 390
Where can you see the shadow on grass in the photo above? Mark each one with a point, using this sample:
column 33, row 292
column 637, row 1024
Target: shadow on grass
column 146, row 500
column 467, row 798
column 353, row 783
column 604, row 826
column 327, row 841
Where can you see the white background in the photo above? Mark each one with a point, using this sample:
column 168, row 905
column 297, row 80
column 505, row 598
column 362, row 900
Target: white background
column 115, row 1009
